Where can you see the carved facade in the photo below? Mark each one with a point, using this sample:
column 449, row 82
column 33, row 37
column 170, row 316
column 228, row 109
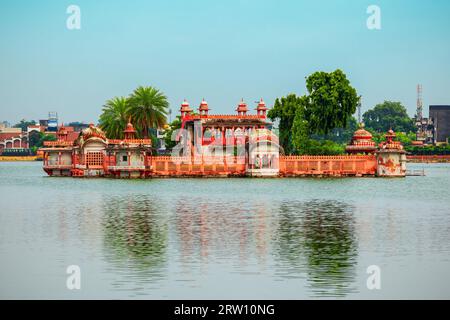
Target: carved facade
column 216, row 145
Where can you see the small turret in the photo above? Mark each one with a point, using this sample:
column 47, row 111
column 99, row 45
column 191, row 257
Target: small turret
column 261, row 109
column 242, row 108
column 203, row 108
column 129, row 132
column 391, row 158
column 361, row 142
column 62, row 133
column 185, row 109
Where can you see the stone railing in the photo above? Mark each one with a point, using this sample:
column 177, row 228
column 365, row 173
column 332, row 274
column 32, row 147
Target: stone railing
column 202, row 165
column 358, row 165
column 130, row 141
column 58, row 166
column 126, row 168
column 224, row 116
column 327, row 158
column 58, row 143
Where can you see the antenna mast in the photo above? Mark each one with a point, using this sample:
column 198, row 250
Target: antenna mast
column 359, row 110
column 419, row 111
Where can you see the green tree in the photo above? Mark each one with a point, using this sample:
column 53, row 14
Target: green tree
column 406, row 139
column 323, row 114
column 34, row 139
column 340, row 135
column 23, row 124
column 37, row 140
column 331, row 101
column 321, row 147
column 388, row 115
column 174, row 125
column 285, row 110
column 148, row 109
column 115, row 117
column 300, row 132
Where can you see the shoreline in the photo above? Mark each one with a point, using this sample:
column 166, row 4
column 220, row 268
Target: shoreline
column 409, row 159
column 428, row 158
column 19, row 159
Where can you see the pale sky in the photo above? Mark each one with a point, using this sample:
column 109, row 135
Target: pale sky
column 219, row 50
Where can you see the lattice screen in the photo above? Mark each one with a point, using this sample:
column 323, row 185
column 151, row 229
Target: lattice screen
column 94, row 158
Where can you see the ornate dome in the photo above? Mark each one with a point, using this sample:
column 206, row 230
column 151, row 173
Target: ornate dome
column 62, row 130
column 242, row 107
column 129, row 131
column 93, row 132
column 185, row 107
column 62, row 133
column 261, row 105
column 361, row 142
column 129, row 128
column 203, row 106
column 390, row 144
column 362, row 134
column 390, row 134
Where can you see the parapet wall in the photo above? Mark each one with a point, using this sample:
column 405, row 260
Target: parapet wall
column 201, row 166
column 346, row 165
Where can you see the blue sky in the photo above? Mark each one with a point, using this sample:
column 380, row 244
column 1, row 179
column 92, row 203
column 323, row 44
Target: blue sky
column 219, row 50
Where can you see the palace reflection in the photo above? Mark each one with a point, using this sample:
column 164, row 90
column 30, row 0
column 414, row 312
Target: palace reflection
column 135, row 234
column 312, row 240
column 210, row 228
column 315, row 240
column 318, row 238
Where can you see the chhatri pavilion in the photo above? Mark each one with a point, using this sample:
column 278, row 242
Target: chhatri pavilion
column 207, row 129
column 361, row 142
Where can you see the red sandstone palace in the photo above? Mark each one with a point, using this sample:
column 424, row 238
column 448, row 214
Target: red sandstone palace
column 216, row 145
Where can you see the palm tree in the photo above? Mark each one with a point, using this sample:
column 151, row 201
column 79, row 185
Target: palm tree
column 115, row 117
column 148, row 109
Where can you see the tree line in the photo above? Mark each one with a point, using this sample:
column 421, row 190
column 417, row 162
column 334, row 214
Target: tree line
column 146, row 108
column 320, row 122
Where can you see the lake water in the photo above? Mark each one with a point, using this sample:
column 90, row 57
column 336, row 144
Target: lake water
column 224, row 238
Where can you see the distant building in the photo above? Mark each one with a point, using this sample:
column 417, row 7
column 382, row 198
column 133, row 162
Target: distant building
column 425, row 131
column 4, row 124
column 78, row 126
column 32, row 128
column 11, row 130
column 13, row 138
column 52, row 122
column 43, row 123
column 440, row 117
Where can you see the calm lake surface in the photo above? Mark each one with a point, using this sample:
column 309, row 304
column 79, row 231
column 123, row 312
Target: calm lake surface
column 224, row 238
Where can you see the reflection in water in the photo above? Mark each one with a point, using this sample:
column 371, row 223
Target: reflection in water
column 223, row 238
column 314, row 239
column 318, row 237
column 213, row 228
column 135, row 235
